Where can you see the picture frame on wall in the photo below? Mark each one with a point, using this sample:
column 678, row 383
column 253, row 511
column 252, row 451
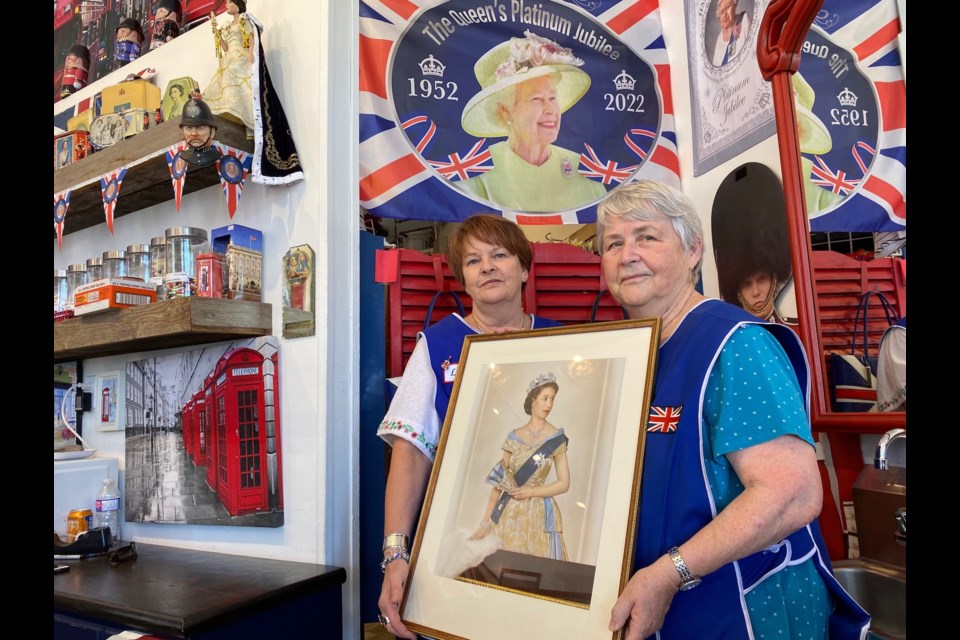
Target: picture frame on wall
column 731, row 103
column 479, row 566
column 109, row 402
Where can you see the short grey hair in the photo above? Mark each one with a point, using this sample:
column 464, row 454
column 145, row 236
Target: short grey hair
column 652, row 201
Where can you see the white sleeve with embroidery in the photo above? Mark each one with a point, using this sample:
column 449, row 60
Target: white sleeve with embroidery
column 412, row 414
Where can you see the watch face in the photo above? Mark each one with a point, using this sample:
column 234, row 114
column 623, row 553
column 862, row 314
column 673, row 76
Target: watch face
column 690, row 584
column 107, row 130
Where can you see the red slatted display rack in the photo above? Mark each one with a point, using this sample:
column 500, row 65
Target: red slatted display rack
column 563, row 285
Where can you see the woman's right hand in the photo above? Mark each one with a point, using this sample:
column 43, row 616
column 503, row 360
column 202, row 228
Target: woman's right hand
column 390, row 595
column 480, row 533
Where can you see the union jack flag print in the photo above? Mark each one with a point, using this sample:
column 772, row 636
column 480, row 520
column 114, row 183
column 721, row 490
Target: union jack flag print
column 416, row 80
column 663, row 419
column 233, row 167
column 851, row 58
column 110, row 189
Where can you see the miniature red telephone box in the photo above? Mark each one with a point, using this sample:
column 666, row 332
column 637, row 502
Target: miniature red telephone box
column 210, row 423
column 241, row 443
column 105, row 405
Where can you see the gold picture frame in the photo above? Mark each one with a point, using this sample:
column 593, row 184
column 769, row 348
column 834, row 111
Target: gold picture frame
column 604, row 374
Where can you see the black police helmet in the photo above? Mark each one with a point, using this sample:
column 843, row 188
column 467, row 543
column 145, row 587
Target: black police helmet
column 196, row 112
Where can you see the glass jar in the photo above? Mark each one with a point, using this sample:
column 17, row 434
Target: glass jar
column 138, row 262
column 114, row 264
column 184, row 244
column 94, row 269
column 158, row 263
column 59, row 289
column 76, row 276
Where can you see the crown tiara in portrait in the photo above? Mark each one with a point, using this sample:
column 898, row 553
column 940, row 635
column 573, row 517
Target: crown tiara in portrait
column 541, row 380
column 624, row 81
column 430, row 66
column 847, row 98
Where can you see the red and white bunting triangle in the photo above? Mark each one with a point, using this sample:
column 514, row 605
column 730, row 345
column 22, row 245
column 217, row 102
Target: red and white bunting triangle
column 233, row 168
column 110, row 188
column 178, row 170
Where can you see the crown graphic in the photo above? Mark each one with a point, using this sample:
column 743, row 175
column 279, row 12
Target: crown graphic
column 624, row 81
column 541, row 380
column 847, row 98
column 430, row 66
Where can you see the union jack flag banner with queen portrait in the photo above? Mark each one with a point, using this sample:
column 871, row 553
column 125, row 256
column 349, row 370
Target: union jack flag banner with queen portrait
column 850, row 94
column 453, row 93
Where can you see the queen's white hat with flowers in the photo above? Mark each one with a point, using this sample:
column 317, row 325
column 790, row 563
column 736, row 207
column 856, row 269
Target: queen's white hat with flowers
column 515, row 61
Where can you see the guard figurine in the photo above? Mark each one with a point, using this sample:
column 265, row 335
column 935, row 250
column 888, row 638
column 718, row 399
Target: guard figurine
column 75, row 69
column 198, row 130
column 128, row 42
column 166, row 23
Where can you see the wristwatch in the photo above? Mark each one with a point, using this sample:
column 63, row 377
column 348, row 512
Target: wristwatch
column 687, row 580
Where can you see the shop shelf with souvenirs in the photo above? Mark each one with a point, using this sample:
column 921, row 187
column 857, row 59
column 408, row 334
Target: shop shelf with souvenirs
column 147, row 181
column 178, row 322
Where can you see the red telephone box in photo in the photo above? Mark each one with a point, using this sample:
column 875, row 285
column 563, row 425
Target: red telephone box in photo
column 188, row 424
column 241, row 443
column 200, row 426
column 210, row 425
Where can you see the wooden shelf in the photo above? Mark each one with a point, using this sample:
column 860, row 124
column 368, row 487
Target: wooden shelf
column 148, row 178
column 161, row 325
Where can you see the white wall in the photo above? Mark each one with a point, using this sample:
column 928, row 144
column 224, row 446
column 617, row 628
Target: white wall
column 295, row 39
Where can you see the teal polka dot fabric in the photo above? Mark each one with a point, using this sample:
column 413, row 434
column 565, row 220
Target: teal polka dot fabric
column 752, row 397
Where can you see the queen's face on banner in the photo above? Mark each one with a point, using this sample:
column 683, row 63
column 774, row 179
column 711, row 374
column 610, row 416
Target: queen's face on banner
column 532, row 118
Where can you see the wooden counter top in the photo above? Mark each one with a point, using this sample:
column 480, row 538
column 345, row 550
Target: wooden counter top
column 181, row 592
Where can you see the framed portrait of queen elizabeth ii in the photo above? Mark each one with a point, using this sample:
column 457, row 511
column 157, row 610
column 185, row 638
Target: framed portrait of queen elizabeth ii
column 530, row 510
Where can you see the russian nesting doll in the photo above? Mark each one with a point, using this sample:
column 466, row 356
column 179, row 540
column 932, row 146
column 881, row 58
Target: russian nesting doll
column 128, row 42
column 166, row 23
column 75, row 69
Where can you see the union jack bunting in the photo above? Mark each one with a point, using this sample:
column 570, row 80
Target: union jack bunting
column 416, row 83
column 61, row 202
column 233, row 168
column 110, row 188
column 664, row 419
column 851, row 58
column 178, row 169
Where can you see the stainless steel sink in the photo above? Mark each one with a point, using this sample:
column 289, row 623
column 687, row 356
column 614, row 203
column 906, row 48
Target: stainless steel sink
column 881, row 589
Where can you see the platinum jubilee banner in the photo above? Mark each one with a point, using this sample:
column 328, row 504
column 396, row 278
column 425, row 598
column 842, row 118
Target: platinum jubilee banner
column 850, row 95
column 534, row 110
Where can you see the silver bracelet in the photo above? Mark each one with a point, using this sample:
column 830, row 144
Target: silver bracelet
column 395, row 540
column 398, row 555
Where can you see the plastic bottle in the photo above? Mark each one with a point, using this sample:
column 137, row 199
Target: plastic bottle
column 108, row 507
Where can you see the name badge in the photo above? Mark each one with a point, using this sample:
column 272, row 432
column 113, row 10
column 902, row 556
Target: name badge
column 450, row 373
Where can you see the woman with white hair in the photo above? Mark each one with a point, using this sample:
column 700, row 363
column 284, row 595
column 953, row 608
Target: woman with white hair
column 728, row 546
column 527, row 84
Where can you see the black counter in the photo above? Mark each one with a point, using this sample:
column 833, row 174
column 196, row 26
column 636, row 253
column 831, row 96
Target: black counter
column 198, row 594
